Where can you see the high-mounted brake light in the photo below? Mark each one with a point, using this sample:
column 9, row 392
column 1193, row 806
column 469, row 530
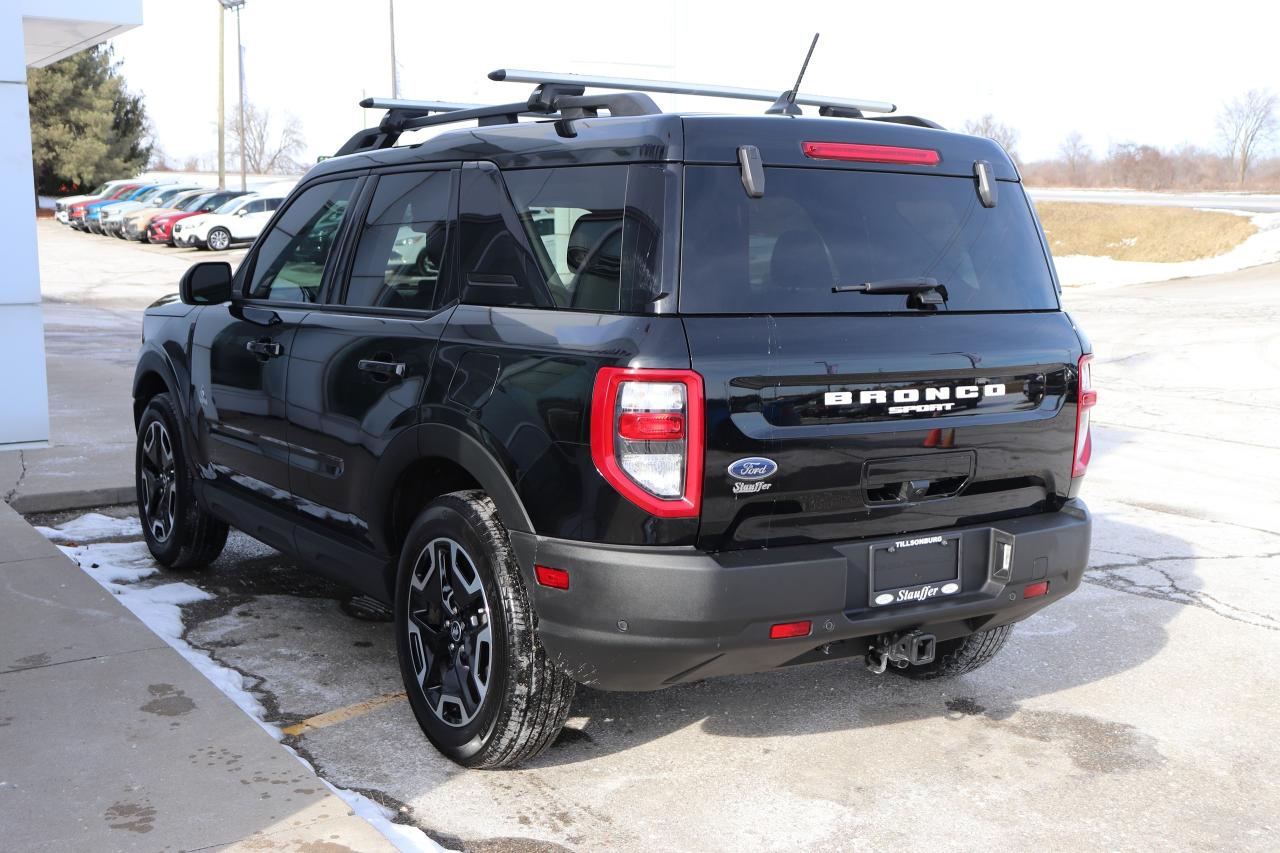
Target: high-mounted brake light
column 1086, row 399
column 870, row 153
column 646, row 437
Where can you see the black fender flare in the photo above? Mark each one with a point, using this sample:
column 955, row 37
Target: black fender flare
column 432, row 440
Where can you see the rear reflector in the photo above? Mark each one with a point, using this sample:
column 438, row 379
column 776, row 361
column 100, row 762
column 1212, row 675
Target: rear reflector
column 1035, row 590
column 787, row 630
column 870, row 153
column 554, row 578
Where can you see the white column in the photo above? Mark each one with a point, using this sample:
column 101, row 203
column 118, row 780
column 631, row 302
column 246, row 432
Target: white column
column 24, row 403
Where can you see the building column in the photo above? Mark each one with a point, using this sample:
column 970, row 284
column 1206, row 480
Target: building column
column 24, row 402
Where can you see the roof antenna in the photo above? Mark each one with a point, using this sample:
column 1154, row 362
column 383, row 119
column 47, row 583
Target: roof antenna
column 786, row 103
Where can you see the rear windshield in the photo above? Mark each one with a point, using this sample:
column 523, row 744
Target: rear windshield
column 815, row 229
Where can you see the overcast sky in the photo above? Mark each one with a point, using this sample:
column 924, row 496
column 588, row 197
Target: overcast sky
column 1116, row 71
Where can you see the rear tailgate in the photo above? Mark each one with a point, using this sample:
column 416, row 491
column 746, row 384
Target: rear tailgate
column 854, row 469
column 866, row 416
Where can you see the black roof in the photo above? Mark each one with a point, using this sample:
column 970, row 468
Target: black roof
column 682, row 137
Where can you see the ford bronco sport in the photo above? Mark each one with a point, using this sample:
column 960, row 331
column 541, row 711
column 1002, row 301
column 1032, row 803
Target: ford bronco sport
column 592, row 393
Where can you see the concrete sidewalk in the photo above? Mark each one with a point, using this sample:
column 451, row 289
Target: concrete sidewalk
column 110, row 740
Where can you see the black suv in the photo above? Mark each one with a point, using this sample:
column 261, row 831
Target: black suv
column 633, row 400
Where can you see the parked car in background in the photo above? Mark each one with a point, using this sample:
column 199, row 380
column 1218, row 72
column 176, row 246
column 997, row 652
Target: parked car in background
column 113, row 217
column 79, row 210
column 238, row 221
column 134, row 224
column 62, row 207
column 95, row 211
column 160, row 230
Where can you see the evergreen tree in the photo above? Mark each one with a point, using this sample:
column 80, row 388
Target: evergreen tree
column 85, row 125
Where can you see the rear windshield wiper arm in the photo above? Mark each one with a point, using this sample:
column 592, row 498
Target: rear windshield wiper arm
column 890, row 285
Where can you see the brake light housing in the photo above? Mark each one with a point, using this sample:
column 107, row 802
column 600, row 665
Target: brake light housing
column 862, row 153
column 647, row 437
column 1086, row 399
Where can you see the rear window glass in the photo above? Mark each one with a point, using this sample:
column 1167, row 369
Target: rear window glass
column 816, row 229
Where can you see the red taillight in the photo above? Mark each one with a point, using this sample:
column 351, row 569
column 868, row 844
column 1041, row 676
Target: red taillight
column 646, row 437
column 788, row 630
column 870, row 153
column 1035, row 590
column 1086, row 399
column 651, row 426
column 554, row 578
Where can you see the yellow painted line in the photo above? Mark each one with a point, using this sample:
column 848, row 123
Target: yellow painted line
column 341, row 715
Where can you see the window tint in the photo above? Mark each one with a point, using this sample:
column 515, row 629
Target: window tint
column 497, row 263
column 400, row 260
column 290, row 263
column 819, row 228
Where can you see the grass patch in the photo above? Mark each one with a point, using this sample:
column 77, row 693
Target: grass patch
column 1131, row 232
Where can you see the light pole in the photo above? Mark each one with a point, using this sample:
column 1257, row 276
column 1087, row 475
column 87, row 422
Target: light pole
column 235, row 5
column 222, row 107
column 395, row 72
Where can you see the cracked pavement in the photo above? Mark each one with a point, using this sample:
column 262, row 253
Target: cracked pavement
column 1134, row 714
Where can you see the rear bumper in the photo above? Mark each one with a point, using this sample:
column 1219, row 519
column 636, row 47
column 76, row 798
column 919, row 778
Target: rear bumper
column 690, row 615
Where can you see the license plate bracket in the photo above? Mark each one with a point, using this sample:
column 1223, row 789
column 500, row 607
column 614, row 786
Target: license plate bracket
column 913, row 569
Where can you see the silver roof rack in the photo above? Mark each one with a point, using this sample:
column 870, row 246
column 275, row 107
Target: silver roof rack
column 627, row 84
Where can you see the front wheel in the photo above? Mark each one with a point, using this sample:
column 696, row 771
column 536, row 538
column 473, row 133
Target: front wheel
column 180, row 534
column 960, row 656
column 478, row 680
column 219, row 239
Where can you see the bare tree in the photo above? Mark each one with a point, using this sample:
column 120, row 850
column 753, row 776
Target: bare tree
column 266, row 150
column 1246, row 126
column 1076, row 155
column 990, row 128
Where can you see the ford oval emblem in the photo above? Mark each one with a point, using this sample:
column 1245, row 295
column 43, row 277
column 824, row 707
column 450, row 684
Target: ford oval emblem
column 752, row 468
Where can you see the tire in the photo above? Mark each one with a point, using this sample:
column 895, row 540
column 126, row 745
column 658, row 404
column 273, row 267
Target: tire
column 218, row 240
column 481, row 624
column 179, row 533
column 960, row 656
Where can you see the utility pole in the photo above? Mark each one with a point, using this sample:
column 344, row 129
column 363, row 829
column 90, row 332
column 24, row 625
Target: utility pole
column 226, row 5
column 222, row 107
column 395, row 71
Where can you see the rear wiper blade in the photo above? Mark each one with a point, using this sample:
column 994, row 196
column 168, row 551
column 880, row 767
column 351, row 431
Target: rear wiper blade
column 891, row 285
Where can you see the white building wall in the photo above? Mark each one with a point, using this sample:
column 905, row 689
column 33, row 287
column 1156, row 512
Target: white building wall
column 58, row 28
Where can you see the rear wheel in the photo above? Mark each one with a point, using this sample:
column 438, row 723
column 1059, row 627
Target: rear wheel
column 478, row 680
column 960, row 656
column 219, row 239
column 179, row 533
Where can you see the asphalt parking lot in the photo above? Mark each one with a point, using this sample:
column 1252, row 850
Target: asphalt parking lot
column 1135, row 714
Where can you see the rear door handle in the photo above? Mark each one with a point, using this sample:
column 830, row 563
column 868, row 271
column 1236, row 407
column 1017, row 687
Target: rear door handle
column 267, row 349
column 386, row 369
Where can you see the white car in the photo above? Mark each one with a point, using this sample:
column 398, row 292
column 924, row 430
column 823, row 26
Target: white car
column 238, row 221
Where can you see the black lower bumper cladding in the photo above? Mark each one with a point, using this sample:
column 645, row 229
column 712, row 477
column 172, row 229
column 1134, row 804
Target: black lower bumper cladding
column 636, row 618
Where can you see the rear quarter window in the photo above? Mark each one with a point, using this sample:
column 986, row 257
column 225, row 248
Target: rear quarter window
column 816, row 229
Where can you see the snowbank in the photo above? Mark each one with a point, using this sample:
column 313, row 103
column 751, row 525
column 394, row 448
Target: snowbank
column 1088, row 270
column 119, row 566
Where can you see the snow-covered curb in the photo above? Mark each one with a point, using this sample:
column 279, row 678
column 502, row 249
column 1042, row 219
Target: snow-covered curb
column 118, row 566
column 1089, row 271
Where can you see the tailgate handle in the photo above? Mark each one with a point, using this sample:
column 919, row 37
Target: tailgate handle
column 909, row 479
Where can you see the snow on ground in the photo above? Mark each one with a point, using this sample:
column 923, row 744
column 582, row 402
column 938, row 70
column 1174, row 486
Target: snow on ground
column 119, row 566
column 92, row 526
column 1088, row 270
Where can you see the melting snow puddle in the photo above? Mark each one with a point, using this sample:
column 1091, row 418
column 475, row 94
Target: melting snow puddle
column 120, row 566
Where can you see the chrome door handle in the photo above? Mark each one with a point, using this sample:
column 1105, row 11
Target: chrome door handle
column 267, row 349
column 382, row 368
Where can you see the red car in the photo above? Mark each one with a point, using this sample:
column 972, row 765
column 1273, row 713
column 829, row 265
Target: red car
column 75, row 216
column 161, row 228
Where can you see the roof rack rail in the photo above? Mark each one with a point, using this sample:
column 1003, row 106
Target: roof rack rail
column 631, row 85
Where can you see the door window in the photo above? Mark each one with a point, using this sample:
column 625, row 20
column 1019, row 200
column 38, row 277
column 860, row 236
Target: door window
column 290, row 265
column 403, row 251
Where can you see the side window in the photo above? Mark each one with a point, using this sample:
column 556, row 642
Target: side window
column 575, row 215
column 270, row 204
column 290, row 263
column 255, row 207
column 496, row 260
column 401, row 259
